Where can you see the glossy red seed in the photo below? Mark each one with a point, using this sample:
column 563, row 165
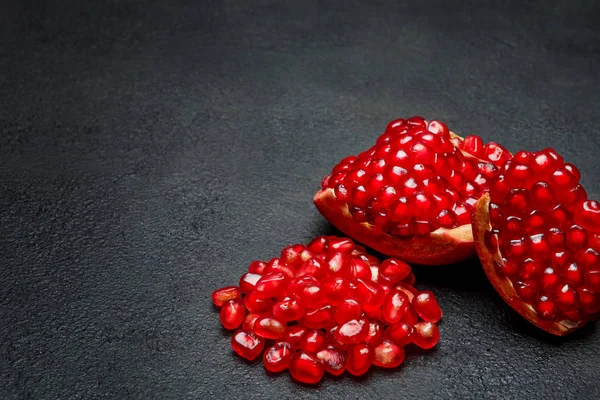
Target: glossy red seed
column 317, row 245
column 375, row 335
column 257, row 267
column 360, row 358
column 388, row 355
column 288, row 309
column 566, row 298
column 277, row 357
column 335, row 289
column 395, row 306
column 248, row 282
column 352, row 332
column 401, row 333
column 347, row 310
column 427, row 307
column 312, row 341
column 232, row 314
column 247, row 344
column 393, row 271
column 306, row 368
column 249, row 321
column 545, row 308
column 292, row 255
column 271, row 285
column 269, row 328
column 223, row 295
column 255, row 304
column 367, row 292
column 426, row 335
column 294, row 334
column 333, row 360
column 318, row 318
column 314, row 266
column 307, row 290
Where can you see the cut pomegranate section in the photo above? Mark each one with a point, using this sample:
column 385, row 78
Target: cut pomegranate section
column 538, row 238
column 328, row 307
column 410, row 195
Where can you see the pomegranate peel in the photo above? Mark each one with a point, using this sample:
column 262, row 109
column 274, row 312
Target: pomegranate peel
column 481, row 224
column 441, row 247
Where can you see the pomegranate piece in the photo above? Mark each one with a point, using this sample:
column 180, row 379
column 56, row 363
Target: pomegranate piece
column 247, row 344
column 360, row 358
column 277, row 357
column 306, row 368
column 346, row 310
column 410, row 195
column 223, row 295
column 269, row 328
column 532, row 235
column 232, row 314
column 333, row 359
column 388, row 355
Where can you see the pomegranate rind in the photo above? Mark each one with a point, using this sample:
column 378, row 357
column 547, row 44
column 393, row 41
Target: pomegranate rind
column 481, row 224
column 441, row 247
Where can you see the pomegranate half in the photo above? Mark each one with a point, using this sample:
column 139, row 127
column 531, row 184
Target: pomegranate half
column 411, row 195
column 538, row 238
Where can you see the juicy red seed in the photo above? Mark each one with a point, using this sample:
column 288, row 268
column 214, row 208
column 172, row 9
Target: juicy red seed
column 576, row 238
column 401, row 333
column 333, row 360
column 375, row 335
column 347, row 310
column 587, row 215
column 277, row 357
column 232, row 314
column 257, row 267
column 334, row 263
column 288, row 309
column 546, row 308
column 276, row 266
column 388, row 355
column 255, row 304
column 249, row 321
column 318, row 318
column 306, row 368
column 426, row 335
column 427, row 307
column 393, row 270
column 336, row 289
column 248, row 282
column 473, row 145
column 314, row 266
column 223, row 295
column 368, row 293
column 395, row 306
column 307, row 290
column 343, row 245
column 352, row 332
column 359, row 269
column 269, row 328
column 312, row 341
column 294, row 334
column 317, row 245
column 292, row 255
column 247, row 344
column 360, row 358
column 271, row 285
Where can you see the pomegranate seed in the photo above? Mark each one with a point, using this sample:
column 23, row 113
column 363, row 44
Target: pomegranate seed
column 426, row 335
column 400, row 333
column 248, row 282
column 277, row 357
column 223, row 295
column 367, row 292
column 359, row 269
column 232, row 314
column 307, row 290
column 395, row 306
column 360, row 358
column 375, row 335
column 351, row 332
column 319, row 318
column 313, row 267
column 306, row 368
column 247, row 345
column 333, row 359
column 393, row 270
column 269, row 328
column 312, row 341
column 288, row 309
column 277, row 266
column 291, row 255
column 270, row 285
column 256, row 305
column 347, row 310
column 427, row 307
column 249, row 320
column 388, row 355
column 335, row 289
column 294, row 335
column 317, row 245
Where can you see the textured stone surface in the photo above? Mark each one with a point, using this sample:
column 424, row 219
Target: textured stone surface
column 150, row 150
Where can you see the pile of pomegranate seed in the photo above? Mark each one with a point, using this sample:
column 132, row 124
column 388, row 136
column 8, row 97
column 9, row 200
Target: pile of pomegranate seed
column 416, row 178
column 327, row 307
column 547, row 234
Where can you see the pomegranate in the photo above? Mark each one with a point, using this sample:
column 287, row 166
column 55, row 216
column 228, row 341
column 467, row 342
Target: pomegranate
column 411, row 195
column 327, row 307
column 538, row 238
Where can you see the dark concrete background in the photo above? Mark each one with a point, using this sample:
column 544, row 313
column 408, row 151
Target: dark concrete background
column 149, row 150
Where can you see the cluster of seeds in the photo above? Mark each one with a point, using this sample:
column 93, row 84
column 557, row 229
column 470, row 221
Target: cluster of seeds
column 416, row 178
column 548, row 234
column 327, row 307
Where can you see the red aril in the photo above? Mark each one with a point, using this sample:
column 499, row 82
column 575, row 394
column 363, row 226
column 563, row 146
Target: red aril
column 223, row 295
column 395, row 307
column 270, row 285
column 269, row 328
column 532, row 234
column 312, row 341
column 400, row 333
column 426, row 335
column 294, row 335
column 410, row 195
column 333, row 359
column 318, row 318
column 247, row 344
column 375, row 335
column 352, row 332
column 232, row 314
column 347, row 310
column 288, row 309
column 388, row 355
column 306, row 368
column 277, row 357
column 248, row 282
column 249, row 321
column 427, row 307
column 360, row 358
